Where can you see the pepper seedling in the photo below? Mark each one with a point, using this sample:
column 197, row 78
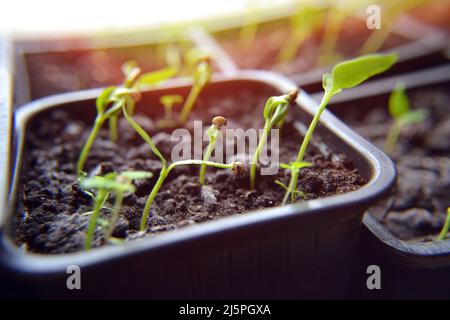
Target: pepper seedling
column 401, row 113
column 345, row 75
column 166, row 169
column 444, row 231
column 275, row 110
column 168, row 101
column 202, row 75
column 110, row 101
column 214, row 131
column 110, row 182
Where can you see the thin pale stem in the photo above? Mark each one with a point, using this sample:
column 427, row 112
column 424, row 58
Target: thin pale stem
column 292, row 45
column 258, row 150
column 208, row 153
column 392, row 137
column 330, row 37
column 301, row 154
column 189, row 103
column 144, row 135
column 444, row 230
column 376, row 40
column 113, row 132
column 99, row 201
column 162, row 177
column 115, row 214
column 88, row 145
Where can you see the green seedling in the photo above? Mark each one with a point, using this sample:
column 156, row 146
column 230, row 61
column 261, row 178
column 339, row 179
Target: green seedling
column 293, row 167
column 303, row 23
column 345, row 75
column 105, row 185
column 444, row 231
column 214, row 131
column 400, row 111
column 391, row 11
column 275, row 110
column 201, row 76
column 110, row 102
column 166, row 169
column 168, row 101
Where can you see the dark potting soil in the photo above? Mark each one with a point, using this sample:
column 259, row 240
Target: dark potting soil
column 422, row 157
column 53, row 216
column 57, row 72
column 270, row 38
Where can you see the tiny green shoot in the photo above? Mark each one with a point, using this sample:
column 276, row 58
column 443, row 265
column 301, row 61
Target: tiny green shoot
column 168, row 101
column 274, row 113
column 214, row 131
column 444, row 231
column 344, row 75
column 201, row 76
column 110, row 182
column 400, row 111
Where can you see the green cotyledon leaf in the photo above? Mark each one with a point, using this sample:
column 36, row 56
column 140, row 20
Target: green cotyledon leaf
column 351, row 73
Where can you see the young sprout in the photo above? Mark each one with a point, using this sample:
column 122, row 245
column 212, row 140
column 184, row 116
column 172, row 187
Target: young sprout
column 111, row 182
column 444, row 231
column 110, row 102
column 275, row 110
column 214, row 131
column 202, row 75
column 400, row 111
column 293, row 167
column 344, row 75
column 168, row 101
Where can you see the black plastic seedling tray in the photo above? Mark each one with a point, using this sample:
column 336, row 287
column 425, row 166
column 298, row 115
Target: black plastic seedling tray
column 304, row 250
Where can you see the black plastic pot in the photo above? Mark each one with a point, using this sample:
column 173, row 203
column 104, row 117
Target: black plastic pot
column 409, row 270
column 115, row 49
column 296, row 251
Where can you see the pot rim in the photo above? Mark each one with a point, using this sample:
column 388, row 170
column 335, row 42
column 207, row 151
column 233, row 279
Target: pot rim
column 382, row 179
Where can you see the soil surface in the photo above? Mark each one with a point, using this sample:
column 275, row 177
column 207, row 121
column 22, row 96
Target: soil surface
column 57, row 72
column 270, row 38
column 422, row 157
column 53, row 215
